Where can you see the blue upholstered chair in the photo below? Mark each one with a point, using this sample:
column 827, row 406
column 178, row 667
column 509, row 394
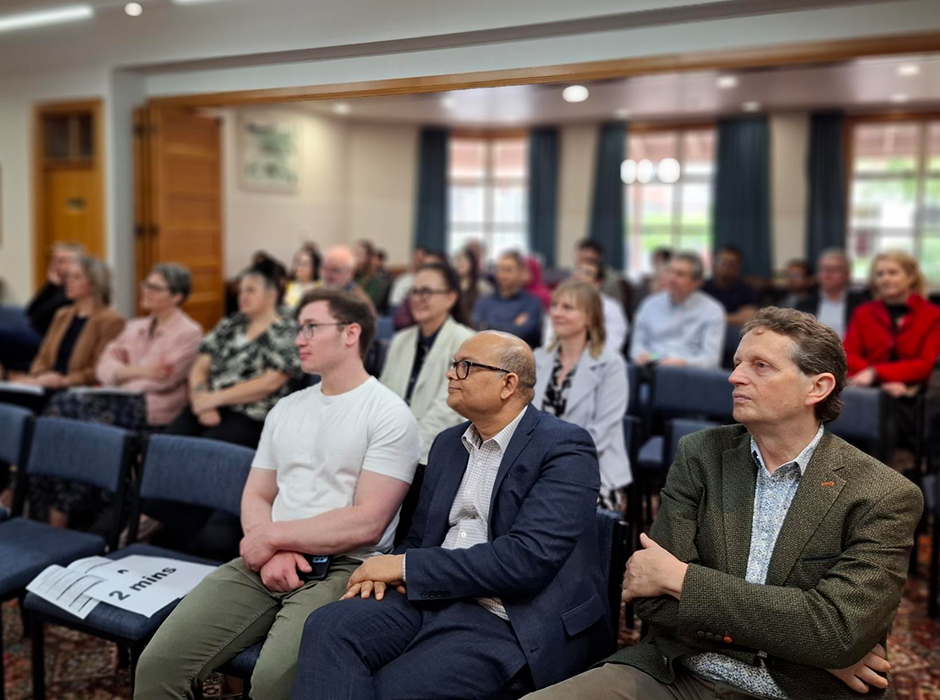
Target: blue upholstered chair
column 385, row 328
column 191, row 471
column 862, row 419
column 931, row 487
column 92, row 454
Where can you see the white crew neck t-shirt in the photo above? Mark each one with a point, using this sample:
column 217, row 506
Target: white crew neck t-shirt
column 319, row 444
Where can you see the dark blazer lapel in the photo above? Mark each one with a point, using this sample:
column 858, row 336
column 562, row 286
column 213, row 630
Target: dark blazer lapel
column 444, row 494
column 583, row 382
column 738, row 479
column 519, row 440
column 819, row 488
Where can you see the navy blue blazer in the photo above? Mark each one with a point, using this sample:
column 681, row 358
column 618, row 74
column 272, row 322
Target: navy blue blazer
column 542, row 557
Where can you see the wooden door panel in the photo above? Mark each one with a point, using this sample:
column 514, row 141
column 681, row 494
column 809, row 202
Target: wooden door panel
column 73, row 208
column 183, row 152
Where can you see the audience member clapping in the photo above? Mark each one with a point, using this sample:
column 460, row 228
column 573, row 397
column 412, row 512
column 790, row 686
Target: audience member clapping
column 834, row 302
column 244, row 366
column 682, row 326
column 728, row 286
column 511, row 309
column 580, row 379
column 419, row 357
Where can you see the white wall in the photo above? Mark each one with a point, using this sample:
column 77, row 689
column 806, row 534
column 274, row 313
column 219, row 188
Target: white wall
column 356, row 181
column 575, row 188
column 789, row 145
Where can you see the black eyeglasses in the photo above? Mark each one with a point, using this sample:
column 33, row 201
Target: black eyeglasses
column 424, row 293
column 308, row 329
column 462, row 368
column 156, row 288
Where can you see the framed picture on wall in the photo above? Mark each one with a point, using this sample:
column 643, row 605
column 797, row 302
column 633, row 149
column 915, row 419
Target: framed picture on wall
column 269, row 153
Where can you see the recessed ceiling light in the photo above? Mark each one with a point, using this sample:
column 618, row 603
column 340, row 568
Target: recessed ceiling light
column 899, row 98
column 341, row 108
column 191, row 2
column 449, row 103
column 133, row 9
column 575, row 93
column 9, row 23
column 726, row 82
column 906, row 70
column 622, row 113
column 751, row 106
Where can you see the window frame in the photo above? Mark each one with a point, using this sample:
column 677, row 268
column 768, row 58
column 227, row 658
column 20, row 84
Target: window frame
column 921, row 173
column 489, row 227
column 675, row 228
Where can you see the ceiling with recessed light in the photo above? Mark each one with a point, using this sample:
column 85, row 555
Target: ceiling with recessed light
column 870, row 84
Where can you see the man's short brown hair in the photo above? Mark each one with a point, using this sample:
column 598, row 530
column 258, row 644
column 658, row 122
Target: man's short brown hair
column 818, row 350
column 346, row 308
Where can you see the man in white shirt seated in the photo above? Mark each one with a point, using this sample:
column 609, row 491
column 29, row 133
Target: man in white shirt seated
column 681, row 326
column 615, row 320
column 334, row 463
column 834, row 303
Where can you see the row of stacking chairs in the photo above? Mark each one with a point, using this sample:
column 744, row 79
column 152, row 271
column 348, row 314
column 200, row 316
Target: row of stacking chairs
column 182, row 470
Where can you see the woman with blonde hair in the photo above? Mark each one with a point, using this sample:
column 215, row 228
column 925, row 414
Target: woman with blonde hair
column 893, row 341
column 582, row 382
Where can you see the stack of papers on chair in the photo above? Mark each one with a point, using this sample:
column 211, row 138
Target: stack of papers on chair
column 15, row 388
column 138, row 584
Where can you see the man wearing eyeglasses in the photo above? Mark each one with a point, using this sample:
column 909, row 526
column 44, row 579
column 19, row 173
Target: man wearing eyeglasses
column 496, row 590
column 332, row 468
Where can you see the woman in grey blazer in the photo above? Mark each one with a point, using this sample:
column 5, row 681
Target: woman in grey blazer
column 419, row 357
column 580, row 381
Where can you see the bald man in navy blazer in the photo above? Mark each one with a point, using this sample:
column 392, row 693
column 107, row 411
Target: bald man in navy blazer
column 498, row 588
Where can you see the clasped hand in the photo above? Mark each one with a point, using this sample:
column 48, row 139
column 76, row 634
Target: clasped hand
column 651, row 572
column 375, row 575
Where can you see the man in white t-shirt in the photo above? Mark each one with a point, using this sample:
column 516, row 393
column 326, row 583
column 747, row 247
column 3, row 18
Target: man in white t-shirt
column 334, row 463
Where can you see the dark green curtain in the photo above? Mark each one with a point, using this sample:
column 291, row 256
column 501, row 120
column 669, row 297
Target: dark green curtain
column 825, row 216
column 431, row 216
column 742, row 191
column 607, row 213
column 543, row 192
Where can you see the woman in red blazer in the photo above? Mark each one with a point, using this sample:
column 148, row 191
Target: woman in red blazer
column 894, row 341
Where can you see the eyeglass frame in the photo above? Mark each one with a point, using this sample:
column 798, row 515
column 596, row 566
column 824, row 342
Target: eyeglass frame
column 155, row 288
column 302, row 330
column 469, row 364
column 424, row 293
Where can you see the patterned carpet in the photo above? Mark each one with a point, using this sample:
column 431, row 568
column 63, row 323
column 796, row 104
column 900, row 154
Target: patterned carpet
column 79, row 667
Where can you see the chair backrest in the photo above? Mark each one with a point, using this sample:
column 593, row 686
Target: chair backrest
column 196, row 471
column 693, row 392
column 13, row 317
column 90, row 453
column 678, row 428
column 384, row 328
column 612, row 543
column 931, row 487
column 16, row 431
column 862, row 416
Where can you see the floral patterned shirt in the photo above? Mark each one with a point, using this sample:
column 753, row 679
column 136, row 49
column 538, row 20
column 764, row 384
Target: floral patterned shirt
column 235, row 359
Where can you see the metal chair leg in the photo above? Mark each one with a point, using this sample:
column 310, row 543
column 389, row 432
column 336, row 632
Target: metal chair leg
column 39, row 656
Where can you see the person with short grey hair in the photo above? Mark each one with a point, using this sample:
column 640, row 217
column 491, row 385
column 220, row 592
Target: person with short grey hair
column 834, row 302
column 682, row 325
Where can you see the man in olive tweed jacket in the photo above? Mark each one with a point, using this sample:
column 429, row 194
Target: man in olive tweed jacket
column 722, row 622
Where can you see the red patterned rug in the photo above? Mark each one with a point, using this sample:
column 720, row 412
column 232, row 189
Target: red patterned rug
column 79, row 667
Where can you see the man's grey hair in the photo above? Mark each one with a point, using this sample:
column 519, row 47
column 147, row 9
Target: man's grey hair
column 694, row 259
column 835, row 252
column 177, row 278
column 77, row 249
column 516, row 357
column 99, row 278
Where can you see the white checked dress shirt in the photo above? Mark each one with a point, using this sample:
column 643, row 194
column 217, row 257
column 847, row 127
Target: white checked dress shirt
column 470, row 513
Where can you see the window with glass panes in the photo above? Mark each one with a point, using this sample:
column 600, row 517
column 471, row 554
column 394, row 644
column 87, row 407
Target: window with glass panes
column 488, row 190
column 668, row 190
column 895, row 193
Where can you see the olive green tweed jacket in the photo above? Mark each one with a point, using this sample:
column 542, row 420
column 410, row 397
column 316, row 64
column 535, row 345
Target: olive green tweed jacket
column 835, row 578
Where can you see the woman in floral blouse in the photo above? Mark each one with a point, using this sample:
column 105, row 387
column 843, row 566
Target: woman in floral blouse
column 244, row 366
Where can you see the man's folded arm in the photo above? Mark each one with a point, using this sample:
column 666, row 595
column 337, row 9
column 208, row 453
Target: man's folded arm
column 551, row 520
column 834, row 624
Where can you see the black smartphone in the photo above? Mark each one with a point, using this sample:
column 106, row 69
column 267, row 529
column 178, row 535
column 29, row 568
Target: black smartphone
column 320, row 565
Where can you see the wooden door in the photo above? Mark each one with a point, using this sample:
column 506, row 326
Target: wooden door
column 68, row 172
column 179, row 202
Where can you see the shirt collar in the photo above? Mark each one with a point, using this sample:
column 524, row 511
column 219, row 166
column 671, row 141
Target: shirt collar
column 802, row 459
column 472, row 439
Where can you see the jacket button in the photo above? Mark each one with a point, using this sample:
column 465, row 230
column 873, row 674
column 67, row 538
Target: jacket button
column 701, row 634
column 728, row 639
column 447, row 594
column 424, row 594
column 709, row 635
